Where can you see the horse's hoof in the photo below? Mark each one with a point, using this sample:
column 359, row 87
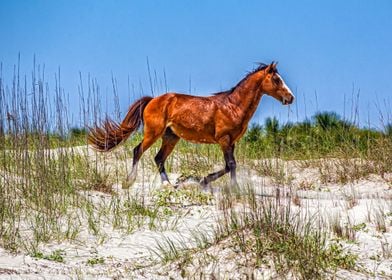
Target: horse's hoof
column 167, row 185
column 205, row 186
column 128, row 183
column 125, row 185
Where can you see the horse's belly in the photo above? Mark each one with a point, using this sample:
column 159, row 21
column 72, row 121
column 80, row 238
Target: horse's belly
column 193, row 134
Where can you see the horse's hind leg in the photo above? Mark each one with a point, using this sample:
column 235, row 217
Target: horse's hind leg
column 137, row 153
column 205, row 182
column 148, row 140
column 169, row 141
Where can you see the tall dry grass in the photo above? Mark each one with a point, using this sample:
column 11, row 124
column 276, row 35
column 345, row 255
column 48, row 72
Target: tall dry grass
column 47, row 172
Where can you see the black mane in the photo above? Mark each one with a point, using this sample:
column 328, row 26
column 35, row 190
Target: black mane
column 261, row 66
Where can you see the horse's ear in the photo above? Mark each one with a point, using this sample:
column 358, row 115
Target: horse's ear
column 270, row 68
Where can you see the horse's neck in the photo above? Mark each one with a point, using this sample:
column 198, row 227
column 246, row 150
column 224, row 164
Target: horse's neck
column 247, row 97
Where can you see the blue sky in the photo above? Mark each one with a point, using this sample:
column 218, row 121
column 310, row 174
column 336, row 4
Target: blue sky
column 328, row 51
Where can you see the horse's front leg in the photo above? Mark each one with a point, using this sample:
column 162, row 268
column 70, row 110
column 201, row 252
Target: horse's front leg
column 231, row 163
column 228, row 152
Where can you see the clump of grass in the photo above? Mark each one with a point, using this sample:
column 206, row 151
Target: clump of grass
column 55, row 256
column 306, row 185
column 264, row 231
column 386, row 249
column 293, row 242
column 351, row 199
column 98, row 181
column 381, row 156
column 35, row 164
column 95, row 261
column 344, row 170
column 137, row 213
column 168, row 249
column 339, row 149
column 93, row 220
column 380, row 222
column 275, row 169
column 191, row 166
column 296, row 200
column 134, row 212
column 344, row 231
column 182, row 197
column 359, row 227
column 42, row 175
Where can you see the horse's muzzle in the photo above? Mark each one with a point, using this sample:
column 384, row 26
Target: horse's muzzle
column 288, row 100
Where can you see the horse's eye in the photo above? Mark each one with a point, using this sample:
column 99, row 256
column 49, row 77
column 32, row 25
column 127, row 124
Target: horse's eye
column 276, row 80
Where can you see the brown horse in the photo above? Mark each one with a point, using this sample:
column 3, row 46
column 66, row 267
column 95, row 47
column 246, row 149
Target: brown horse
column 218, row 119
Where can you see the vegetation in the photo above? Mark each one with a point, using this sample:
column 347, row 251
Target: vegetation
column 49, row 182
column 95, row 261
column 268, row 234
column 326, row 135
column 55, row 256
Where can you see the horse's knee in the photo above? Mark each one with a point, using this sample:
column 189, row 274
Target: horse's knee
column 231, row 165
column 159, row 161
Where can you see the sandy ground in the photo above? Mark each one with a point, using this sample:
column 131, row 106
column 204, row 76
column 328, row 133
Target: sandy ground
column 132, row 256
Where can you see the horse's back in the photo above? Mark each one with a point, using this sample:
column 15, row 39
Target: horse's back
column 190, row 117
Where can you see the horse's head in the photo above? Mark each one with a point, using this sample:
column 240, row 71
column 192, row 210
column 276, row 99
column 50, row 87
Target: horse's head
column 274, row 85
